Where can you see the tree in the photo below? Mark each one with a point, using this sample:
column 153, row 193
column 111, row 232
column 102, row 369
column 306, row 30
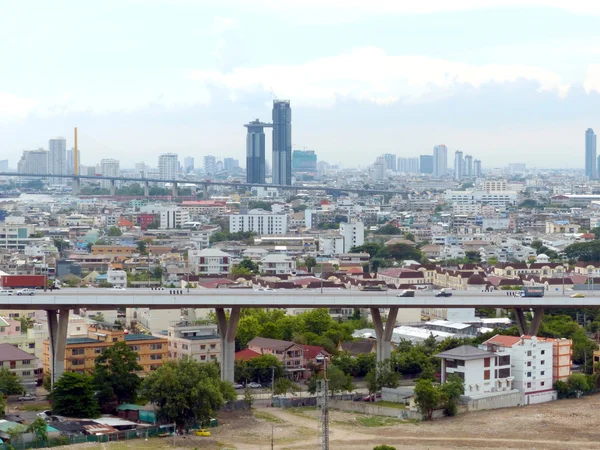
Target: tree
column 584, row 251
column 47, row 381
column 384, row 447
column 73, row 396
column 114, row 231
column 427, row 397
column 98, row 317
column 284, row 385
column 39, row 427
column 2, row 406
column 248, row 396
column 310, row 262
column 451, row 391
column 473, row 257
column 383, row 375
column 338, row 381
column 187, row 392
column 115, row 376
column 9, row 383
column 142, row 247
column 260, row 369
column 388, row 229
column 248, row 329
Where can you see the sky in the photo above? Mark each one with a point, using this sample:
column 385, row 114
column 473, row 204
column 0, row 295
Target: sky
column 503, row 80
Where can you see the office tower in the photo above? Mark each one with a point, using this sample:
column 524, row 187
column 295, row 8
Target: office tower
column 168, row 166
column 141, row 170
column 304, row 161
column 459, row 164
column 57, row 159
column 426, row 164
column 590, row 154
column 188, row 164
column 71, row 160
column 3, row 165
column 34, row 162
column 378, row 169
column 255, row 152
column 477, row 168
column 210, row 165
column 517, row 168
column 390, row 162
column 468, row 166
column 282, row 142
column 408, row 165
column 109, row 168
column 231, row 165
column 440, row 161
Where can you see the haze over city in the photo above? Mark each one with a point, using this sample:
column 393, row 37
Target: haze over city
column 507, row 81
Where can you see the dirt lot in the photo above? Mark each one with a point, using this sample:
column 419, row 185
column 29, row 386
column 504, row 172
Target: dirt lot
column 563, row 425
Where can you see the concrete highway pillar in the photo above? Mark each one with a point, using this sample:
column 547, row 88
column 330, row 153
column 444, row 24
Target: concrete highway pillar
column 174, row 190
column 205, row 192
column 58, row 325
column 384, row 334
column 112, row 188
column 538, row 315
column 75, row 187
column 146, row 189
column 227, row 331
column 521, row 322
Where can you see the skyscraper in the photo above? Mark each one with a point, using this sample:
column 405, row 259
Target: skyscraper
column 57, row 159
column 477, row 168
column 304, row 161
column 468, row 166
column 459, row 165
column 426, row 164
column 282, row 142
column 255, row 151
column 109, row 167
column 188, row 164
column 71, row 160
column 440, row 161
column 390, row 161
column 231, row 165
column 210, row 165
column 407, row 165
column 590, row 154
column 168, row 166
column 33, row 161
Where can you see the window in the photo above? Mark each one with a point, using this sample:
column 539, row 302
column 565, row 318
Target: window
column 529, row 384
column 542, row 352
column 528, row 363
column 543, row 362
column 78, row 351
column 542, row 383
column 78, row 362
column 504, row 373
column 115, row 339
column 542, row 373
column 156, row 356
column 26, row 373
column 203, row 358
column 529, row 353
column 32, row 345
column 504, row 360
column 528, row 374
column 135, row 348
column 486, row 363
column 155, row 346
column 486, row 374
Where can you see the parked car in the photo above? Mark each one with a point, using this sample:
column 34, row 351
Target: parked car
column 578, row 295
column 6, row 292
column 238, row 386
column 254, row 385
column 26, row 291
column 27, row 397
column 202, row 432
column 45, row 414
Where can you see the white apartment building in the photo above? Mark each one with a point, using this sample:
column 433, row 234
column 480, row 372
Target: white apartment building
column 57, row 159
column 199, row 342
column 331, row 244
column 469, row 209
column 210, row 261
column 33, row 161
column 278, row 264
column 37, row 249
column 168, row 166
column 109, row 167
column 173, row 217
column 494, row 185
column 493, row 198
column 531, row 364
column 259, row 221
column 353, row 233
column 117, row 278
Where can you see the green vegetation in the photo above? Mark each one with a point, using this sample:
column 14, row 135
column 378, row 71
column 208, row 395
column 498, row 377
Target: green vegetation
column 259, row 204
column 9, row 383
column 385, row 256
column 73, row 396
column 388, row 229
column 584, row 251
column 245, row 267
column 260, row 369
column 267, row 417
column 114, row 231
column 244, row 236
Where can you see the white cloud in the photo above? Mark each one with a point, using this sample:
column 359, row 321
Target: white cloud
column 592, row 78
column 222, row 24
column 15, row 107
column 370, row 74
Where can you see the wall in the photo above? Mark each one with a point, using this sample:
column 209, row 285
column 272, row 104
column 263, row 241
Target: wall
column 508, row 400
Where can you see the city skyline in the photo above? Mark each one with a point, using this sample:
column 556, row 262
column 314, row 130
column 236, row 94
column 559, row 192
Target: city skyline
column 535, row 99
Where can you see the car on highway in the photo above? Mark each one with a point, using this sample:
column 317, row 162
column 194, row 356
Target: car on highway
column 118, row 288
column 26, row 291
column 578, row 295
column 254, row 385
column 238, row 386
column 7, row 292
column 27, row 398
column 444, row 293
column 406, row 293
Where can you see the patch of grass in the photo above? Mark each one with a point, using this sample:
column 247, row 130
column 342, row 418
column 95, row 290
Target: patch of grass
column 391, row 405
column 267, row 417
column 34, row 407
column 378, row 421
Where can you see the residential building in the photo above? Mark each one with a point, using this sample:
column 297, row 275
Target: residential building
column 188, row 164
column 277, row 264
column 109, row 167
column 259, row 221
column 57, row 159
column 331, row 244
column 482, row 371
column 255, row 151
column 195, row 341
column 426, row 164
column 81, row 352
column 378, row 169
column 168, row 166
column 209, row 208
column 114, row 250
column 440, row 161
column 282, row 142
column 468, row 166
column 231, row 165
column 561, row 226
column 117, row 278
column 494, row 185
column 34, row 162
column 17, row 236
column 210, row 165
column 459, row 165
column 590, row 154
column 477, row 168
column 353, row 233
column 408, row 165
column 304, row 161
column 173, row 217
column 390, row 162
column 21, row 363
column 71, row 160
column 210, row 261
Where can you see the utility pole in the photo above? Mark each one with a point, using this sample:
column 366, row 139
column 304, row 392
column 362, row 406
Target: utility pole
column 272, row 385
column 272, row 436
column 321, row 276
column 325, row 410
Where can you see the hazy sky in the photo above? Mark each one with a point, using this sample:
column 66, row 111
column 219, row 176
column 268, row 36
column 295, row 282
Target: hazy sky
column 503, row 80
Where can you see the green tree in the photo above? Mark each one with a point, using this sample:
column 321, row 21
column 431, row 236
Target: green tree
column 248, row 396
column 99, row 317
column 584, row 251
column 39, row 427
column 451, row 391
column 389, row 229
column 317, row 321
column 142, row 247
column 47, row 381
column 9, row 383
column 115, row 376
column 284, row 385
column 427, row 397
column 114, row 231
column 248, row 329
column 384, row 447
column 310, row 262
column 73, row 396
column 338, row 381
column 187, row 392
column 2, row 406
column 248, row 264
column 383, row 375
column 259, row 369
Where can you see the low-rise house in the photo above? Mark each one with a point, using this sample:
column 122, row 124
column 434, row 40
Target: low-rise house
column 193, row 340
column 210, row 261
column 21, row 363
column 277, row 264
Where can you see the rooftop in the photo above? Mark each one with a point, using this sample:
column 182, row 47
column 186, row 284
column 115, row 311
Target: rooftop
column 465, row 353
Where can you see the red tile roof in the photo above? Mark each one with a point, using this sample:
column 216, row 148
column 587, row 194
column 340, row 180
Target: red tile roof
column 246, row 354
column 312, row 351
column 504, row 341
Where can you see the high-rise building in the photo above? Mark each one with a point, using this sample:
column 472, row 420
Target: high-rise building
column 440, row 161
column 109, row 167
column 188, row 164
column 390, row 161
column 459, row 165
column 255, row 151
column 210, row 165
column 477, row 168
column 3, row 165
column 34, row 162
column 71, row 160
column 517, row 168
column 426, row 164
column 408, row 165
column 168, row 166
column 304, row 161
column 282, row 142
column 378, row 169
column 57, row 159
column 590, row 154
column 231, row 165
column 468, row 166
